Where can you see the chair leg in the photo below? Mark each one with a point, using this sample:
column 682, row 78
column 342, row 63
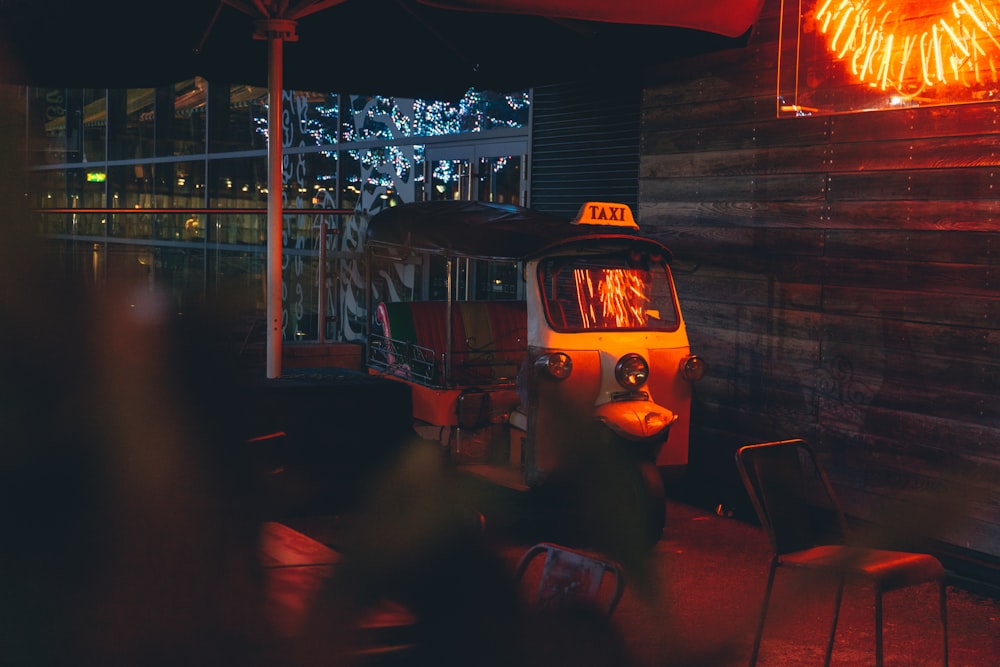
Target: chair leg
column 833, row 625
column 944, row 620
column 763, row 615
column 878, row 627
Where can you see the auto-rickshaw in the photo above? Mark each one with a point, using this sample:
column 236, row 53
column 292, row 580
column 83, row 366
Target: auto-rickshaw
column 526, row 337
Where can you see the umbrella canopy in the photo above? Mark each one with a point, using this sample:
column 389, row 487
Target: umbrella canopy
column 409, row 48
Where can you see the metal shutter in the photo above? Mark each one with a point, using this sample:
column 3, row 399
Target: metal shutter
column 584, row 146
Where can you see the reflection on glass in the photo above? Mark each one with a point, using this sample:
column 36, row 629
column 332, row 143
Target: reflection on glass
column 839, row 57
column 131, row 123
column 95, row 114
column 496, row 280
column 48, row 138
column 500, row 180
column 187, row 130
column 242, row 125
column 608, row 292
column 313, row 118
column 450, row 179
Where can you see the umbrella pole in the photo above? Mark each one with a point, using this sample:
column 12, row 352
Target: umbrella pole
column 276, row 31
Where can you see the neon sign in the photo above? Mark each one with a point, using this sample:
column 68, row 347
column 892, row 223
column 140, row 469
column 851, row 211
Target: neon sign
column 853, row 55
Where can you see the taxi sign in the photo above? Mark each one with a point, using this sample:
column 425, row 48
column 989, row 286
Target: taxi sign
column 605, row 213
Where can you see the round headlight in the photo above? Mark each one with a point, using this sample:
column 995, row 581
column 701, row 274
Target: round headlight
column 693, row 368
column 556, row 365
column 632, row 371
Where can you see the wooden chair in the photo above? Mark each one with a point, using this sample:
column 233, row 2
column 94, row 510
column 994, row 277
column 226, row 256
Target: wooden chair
column 571, row 577
column 792, row 496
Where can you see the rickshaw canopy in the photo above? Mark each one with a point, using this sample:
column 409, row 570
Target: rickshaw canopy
column 487, row 230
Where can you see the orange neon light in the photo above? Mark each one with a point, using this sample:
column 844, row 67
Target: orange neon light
column 910, row 46
column 621, row 294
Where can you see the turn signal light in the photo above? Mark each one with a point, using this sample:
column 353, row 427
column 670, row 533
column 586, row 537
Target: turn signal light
column 693, row 368
column 556, row 365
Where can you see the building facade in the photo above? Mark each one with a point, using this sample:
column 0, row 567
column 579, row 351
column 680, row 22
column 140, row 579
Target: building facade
column 167, row 187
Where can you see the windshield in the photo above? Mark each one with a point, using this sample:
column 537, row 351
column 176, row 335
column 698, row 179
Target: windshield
column 608, row 292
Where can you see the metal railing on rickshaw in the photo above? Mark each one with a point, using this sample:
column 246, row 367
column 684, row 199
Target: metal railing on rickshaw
column 423, row 365
column 404, row 359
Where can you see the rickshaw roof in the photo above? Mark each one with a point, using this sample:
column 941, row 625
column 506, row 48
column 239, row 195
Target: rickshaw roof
column 486, row 230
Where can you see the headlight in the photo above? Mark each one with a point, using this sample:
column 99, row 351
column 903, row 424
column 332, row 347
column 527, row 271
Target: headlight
column 556, row 365
column 632, row 371
column 693, row 368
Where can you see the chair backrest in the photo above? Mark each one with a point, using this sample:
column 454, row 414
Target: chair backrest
column 569, row 577
column 791, row 494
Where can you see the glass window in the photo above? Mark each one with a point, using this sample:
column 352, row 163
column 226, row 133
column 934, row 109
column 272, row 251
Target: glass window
column 350, row 179
column 312, row 119
column 451, row 179
column 840, row 57
column 187, row 135
column 179, row 185
column 66, row 125
column 619, row 292
column 475, row 112
column 74, row 188
column 238, row 183
column 131, row 123
column 47, row 108
column 95, row 124
column 53, row 187
column 130, row 186
column 377, row 117
column 500, row 179
column 310, row 180
column 496, row 281
column 244, row 127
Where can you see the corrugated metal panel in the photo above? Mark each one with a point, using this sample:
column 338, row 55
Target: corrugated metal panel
column 584, row 146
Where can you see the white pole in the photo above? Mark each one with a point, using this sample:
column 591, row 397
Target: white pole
column 276, row 31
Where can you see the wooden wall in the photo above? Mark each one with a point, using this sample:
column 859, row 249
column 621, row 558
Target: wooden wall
column 840, row 274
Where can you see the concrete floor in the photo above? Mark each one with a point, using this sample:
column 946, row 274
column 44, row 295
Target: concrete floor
column 695, row 599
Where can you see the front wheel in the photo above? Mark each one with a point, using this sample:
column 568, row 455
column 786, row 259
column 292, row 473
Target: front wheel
column 653, row 501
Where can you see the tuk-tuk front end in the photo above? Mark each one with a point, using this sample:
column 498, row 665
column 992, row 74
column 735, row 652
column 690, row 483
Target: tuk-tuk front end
column 589, row 354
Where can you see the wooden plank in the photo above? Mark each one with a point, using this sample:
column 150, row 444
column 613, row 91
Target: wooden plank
column 883, row 510
column 696, row 115
column 777, row 150
column 666, row 214
column 908, row 154
column 916, row 123
column 918, row 245
column 971, row 216
column 694, row 128
column 944, row 184
column 794, row 160
column 915, row 397
column 970, row 311
column 700, row 240
column 936, row 440
column 908, row 214
column 793, row 187
column 708, row 289
column 927, row 277
column 929, row 338
column 794, row 324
